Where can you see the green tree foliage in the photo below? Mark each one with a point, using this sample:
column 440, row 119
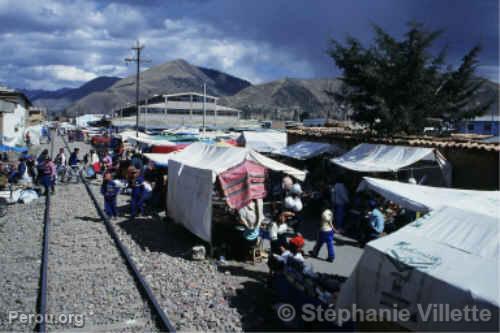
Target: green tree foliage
column 395, row 85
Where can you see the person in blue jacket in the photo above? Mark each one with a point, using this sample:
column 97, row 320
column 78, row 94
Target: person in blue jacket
column 19, row 173
column 137, row 184
column 110, row 191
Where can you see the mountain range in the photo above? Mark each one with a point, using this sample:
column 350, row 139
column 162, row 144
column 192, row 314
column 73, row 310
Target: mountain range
column 171, row 77
column 60, row 99
column 281, row 99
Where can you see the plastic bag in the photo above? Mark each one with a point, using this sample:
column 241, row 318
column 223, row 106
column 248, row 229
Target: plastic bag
column 28, row 196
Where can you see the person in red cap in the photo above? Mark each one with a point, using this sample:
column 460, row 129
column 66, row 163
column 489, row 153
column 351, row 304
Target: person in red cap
column 294, row 250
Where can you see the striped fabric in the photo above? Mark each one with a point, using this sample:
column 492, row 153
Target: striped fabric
column 243, row 183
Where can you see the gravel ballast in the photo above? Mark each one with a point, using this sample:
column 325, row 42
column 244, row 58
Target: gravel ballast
column 88, row 276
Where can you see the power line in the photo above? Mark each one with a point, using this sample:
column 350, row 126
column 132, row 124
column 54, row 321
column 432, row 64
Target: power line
column 138, row 47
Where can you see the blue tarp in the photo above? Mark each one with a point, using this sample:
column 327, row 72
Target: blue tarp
column 4, row 148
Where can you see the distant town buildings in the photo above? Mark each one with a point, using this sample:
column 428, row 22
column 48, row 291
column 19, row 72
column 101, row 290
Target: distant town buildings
column 487, row 125
column 36, row 115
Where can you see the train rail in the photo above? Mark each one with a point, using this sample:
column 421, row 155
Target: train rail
column 52, row 266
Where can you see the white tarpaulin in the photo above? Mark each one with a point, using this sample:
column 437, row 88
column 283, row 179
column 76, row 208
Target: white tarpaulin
column 263, row 142
column 368, row 157
column 35, row 133
column 305, row 150
column 130, row 136
column 449, row 256
column 84, row 120
column 422, row 198
column 191, row 175
column 160, row 159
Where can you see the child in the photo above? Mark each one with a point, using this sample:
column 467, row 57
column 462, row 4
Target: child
column 109, row 190
column 137, row 185
column 325, row 235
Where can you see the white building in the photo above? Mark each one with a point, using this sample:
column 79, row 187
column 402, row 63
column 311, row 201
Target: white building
column 13, row 116
column 183, row 108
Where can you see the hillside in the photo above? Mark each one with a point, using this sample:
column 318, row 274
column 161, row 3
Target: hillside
column 289, row 98
column 285, row 99
column 171, row 77
column 60, row 99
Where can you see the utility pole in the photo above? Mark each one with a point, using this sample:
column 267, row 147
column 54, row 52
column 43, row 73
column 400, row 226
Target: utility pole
column 204, row 105
column 138, row 47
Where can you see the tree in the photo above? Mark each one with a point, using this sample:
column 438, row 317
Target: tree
column 394, row 86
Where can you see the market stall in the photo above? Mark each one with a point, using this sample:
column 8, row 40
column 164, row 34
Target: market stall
column 378, row 158
column 194, row 171
column 263, row 141
column 305, row 150
column 450, row 255
column 421, row 198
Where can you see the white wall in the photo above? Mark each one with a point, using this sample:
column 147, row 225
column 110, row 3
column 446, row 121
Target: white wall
column 14, row 124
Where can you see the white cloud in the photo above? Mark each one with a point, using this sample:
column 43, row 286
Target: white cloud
column 76, row 41
column 490, row 72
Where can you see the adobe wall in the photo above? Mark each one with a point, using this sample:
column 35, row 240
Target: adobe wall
column 472, row 168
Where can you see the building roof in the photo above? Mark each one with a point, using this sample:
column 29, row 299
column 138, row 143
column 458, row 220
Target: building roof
column 10, row 95
column 188, row 93
column 346, row 134
column 495, row 118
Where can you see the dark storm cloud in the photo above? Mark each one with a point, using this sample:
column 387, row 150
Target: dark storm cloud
column 70, row 41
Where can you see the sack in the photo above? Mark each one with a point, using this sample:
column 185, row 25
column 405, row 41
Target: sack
column 28, row 196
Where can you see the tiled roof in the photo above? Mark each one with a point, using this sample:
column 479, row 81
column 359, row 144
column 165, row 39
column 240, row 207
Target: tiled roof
column 454, row 141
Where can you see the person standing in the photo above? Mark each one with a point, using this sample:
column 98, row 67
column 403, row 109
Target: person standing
column 278, row 230
column 73, row 163
column 340, row 200
column 376, row 221
column 27, row 139
column 110, row 191
column 60, row 162
column 137, row 184
column 325, row 235
column 18, row 174
column 48, row 171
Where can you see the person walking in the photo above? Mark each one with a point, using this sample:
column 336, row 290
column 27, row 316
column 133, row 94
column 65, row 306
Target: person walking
column 48, row 172
column 110, row 191
column 325, row 235
column 74, row 163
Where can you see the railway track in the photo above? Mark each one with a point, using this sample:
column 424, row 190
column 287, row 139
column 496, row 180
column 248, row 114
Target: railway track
column 88, row 278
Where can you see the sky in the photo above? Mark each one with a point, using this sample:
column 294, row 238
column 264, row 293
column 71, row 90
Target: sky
column 52, row 44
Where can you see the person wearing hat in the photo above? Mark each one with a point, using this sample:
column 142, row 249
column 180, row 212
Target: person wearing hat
column 325, row 235
column 293, row 250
